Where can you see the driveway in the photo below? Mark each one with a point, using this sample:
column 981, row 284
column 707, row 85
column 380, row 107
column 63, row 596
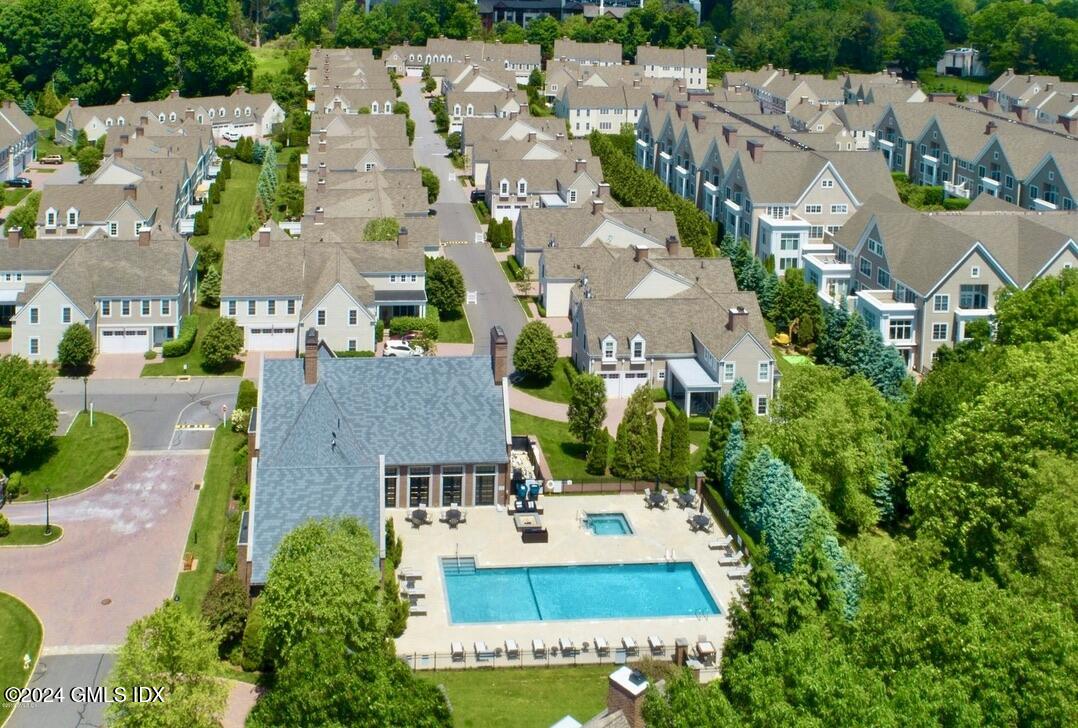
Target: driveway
column 118, row 366
column 495, row 304
column 43, row 175
column 65, row 671
column 119, row 557
column 162, row 414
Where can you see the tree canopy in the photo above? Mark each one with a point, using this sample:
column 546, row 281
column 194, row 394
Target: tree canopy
column 27, row 415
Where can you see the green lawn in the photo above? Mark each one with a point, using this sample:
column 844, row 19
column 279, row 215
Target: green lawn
column 968, row 87
column 45, row 145
column 558, row 389
column 223, row 470
column 13, row 196
column 233, row 218
column 33, row 535
column 698, row 438
column 269, row 60
column 563, row 453
column 526, row 698
column 282, row 173
column 21, row 632
column 173, row 367
column 454, row 330
column 76, row 460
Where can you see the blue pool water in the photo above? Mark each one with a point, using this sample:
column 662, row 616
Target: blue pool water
column 595, row 591
column 609, row 524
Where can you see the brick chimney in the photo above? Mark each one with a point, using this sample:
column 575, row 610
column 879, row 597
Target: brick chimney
column 756, row 150
column 321, row 170
column 697, row 120
column 321, row 187
column 729, row 134
column 604, row 191
column 125, row 98
column 264, row 236
column 140, row 131
column 14, row 236
column 499, row 354
column 1069, row 123
column 118, row 152
column 531, row 137
column 640, row 252
column 1021, row 112
column 402, row 238
column 322, row 146
column 174, row 94
column 990, row 128
column 144, row 236
column 130, row 192
column 626, row 691
column 673, row 246
column 737, row 319
column 681, row 108
column 319, row 216
column 597, row 206
column 72, row 102
column 580, row 165
column 189, row 114
column 310, row 356
column 988, row 103
column 125, row 138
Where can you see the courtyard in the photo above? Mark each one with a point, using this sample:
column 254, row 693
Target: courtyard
column 490, row 537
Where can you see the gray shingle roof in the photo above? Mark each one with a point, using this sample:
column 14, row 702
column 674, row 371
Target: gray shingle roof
column 573, row 226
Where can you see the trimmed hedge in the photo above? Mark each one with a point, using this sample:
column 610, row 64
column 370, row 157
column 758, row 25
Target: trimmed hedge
column 186, row 339
column 247, row 397
column 5, row 333
column 696, row 422
column 353, row 354
column 403, row 324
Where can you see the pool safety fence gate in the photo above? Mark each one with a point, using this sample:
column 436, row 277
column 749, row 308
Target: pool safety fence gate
column 608, row 485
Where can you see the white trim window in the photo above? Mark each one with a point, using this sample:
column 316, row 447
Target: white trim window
column 975, row 272
column 610, row 349
column 813, row 209
column 503, row 187
column 761, row 405
column 125, row 307
column 839, row 209
column 114, row 229
column 144, row 307
column 291, row 307
column 637, row 348
column 35, row 315
column 106, row 307
column 166, row 307
column 729, row 372
column 522, row 187
column 231, row 308
column 320, row 317
column 50, row 218
column 353, row 316
column 251, row 307
column 940, row 332
column 271, row 307
column 352, row 345
column 763, row 371
column 35, row 345
column 941, row 303
column 72, row 217
column 827, row 184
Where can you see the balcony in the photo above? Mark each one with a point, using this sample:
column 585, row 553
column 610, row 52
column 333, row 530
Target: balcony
column 1040, row 205
column 956, row 190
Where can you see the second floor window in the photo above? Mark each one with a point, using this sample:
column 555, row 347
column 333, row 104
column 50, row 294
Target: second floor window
column 125, row 308
column 353, row 317
column 250, row 308
column 291, row 307
column 34, row 315
column 144, row 308
column 65, row 315
column 231, row 308
column 106, row 308
column 900, row 329
column 271, row 307
column 320, row 317
column 728, row 371
column 763, row 371
column 973, row 296
column 166, row 307
column 941, row 303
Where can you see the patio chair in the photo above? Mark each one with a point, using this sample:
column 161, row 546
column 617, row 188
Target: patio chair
column 456, row 652
column 417, row 610
column 630, row 645
column 731, row 559
column 430, row 519
column 482, row 652
column 739, row 572
column 601, row 647
column 656, row 644
column 409, row 575
column 720, row 543
column 413, row 592
column 568, row 649
column 512, row 651
column 538, row 649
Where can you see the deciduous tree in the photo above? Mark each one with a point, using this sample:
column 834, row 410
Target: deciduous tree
column 27, row 415
column 222, row 343
column 76, row 348
column 536, row 352
column 587, row 407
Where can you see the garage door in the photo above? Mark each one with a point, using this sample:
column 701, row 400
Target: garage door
column 414, row 71
column 266, row 338
column 623, row 384
column 125, row 341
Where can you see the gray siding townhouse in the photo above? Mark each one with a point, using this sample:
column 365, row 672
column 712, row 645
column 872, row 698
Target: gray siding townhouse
column 355, row 437
column 684, row 64
column 18, row 141
column 117, row 211
column 513, row 185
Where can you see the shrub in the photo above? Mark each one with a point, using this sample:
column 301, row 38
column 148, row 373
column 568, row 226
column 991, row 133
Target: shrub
column 431, row 182
column 225, row 609
column 445, row 286
column 5, row 528
column 403, row 324
column 955, row 203
column 225, row 154
column 381, row 228
column 202, row 223
column 394, row 545
column 150, row 355
column 253, row 643
column 247, row 396
column 184, row 341
column 240, row 419
column 89, row 159
column 5, row 333
column 379, row 330
column 76, row 347
column 222, row 342
column 353, row 354
column 14, row 485
column 536, row 352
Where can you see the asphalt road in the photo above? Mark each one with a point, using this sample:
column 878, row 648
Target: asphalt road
column 496, row 305
column 153, row 407
column 67, row 672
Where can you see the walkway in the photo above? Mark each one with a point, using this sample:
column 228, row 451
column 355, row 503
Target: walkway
column 521, row 401
column 496, row 305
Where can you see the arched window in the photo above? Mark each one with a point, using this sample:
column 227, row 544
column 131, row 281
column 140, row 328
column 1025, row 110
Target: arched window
column 247, row 111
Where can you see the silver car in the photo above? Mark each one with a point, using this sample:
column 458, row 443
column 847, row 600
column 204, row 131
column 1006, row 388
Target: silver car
column 401, row 348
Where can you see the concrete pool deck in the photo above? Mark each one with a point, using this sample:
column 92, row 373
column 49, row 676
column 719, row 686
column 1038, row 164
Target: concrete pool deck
column 491, row 538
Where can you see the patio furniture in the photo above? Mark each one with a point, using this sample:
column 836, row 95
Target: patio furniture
column 686, row 499
column 720, row 543
column 739, row 573
column 417, row 610
column 512, row 651
column 527, row 520
column 410, row 574
column 453, row 517
column 413, row 592
column 731, row 559
column 705, row 650
column 629, row 644
column 657, row 499
column 534, row 535
column 601, row 647
column 456, row 651
column 656, row 644
column 568, row 649
column 482, row 652
column 700, row 522
column 538, row 649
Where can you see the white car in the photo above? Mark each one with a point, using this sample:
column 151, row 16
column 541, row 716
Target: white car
column 231, row 136
column 401, row 348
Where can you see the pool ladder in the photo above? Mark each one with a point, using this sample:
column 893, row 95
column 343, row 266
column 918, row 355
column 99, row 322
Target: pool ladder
column 458, row 565
column 670, row 557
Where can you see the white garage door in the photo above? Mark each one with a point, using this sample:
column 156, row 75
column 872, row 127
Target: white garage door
column 622, row 384
column 414, row 71
column 125, row 341
column 266, row 338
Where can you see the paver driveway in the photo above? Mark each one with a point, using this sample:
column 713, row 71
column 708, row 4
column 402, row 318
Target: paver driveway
column 123, row 543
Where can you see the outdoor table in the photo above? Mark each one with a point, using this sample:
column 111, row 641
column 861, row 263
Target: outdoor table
column 686, row 499
column 706, row 650
column 419, row 515
column 701, row 520
column 452, row 517
column 657, row 498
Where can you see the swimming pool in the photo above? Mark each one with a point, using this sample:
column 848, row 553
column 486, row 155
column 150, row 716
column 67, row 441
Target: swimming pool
column 593, row 591
column 608, row 524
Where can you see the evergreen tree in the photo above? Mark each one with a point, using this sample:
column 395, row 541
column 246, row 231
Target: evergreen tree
column 209, row 291
column 267, row 178
column 855, row 346
column 598, row 453
column 666, row 454
column 835, row 319
column 735, row 449
column 679, row 463
column 636, row 452
column 722, row 419
column 28, row 106
column 50, row 103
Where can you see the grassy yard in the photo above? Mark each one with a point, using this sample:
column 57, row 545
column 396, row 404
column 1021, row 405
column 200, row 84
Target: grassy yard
column 45, row 145
column 223, row 470
column 454, row 330
column 13, row 196
column 233, row 218
column 929, row 80
column 76, row 460
column 33, row 535
column 558, row 389
column 563, row 453
column 269, row 60
column 282, row 173
column 527, row 698
column 22, row 636
column 173, row 367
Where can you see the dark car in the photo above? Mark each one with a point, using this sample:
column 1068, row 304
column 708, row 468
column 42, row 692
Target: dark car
column 18, row 182
column 432, row 212
column 478, row 196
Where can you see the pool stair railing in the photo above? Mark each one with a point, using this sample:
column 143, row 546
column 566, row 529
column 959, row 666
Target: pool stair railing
column 458, row 565
column 669, row 556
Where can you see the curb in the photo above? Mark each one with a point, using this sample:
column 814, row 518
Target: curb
column 58, row 539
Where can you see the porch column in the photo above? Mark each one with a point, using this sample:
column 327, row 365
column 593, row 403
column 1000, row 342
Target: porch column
column 688, row 400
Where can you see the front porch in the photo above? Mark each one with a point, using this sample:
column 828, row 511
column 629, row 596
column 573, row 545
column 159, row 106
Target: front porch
column 691, row 387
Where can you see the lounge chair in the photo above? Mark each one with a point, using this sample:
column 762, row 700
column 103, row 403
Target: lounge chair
column 630, row 645
column 512, row 651
column 538, row 649
column 417, row 610
column 731, row 559
column 410, row 574
column 657, row 645
column 720, row 543
column 456, row 651
column 568, row 649
column 482, row 652
column 601, row 647
column 413, row 592
column 739, row 572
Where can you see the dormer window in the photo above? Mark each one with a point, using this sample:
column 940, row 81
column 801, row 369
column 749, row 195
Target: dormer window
column 50, row 218
column 638, row 348
column 522, row 187
column 213, row 113
column 237, row 112
column 374, row 107
column 221, row 112
column 504, row 187
column 610, row 348
column 247, row 111
column 388, row 107
column 471, row 110
column 72, row 217
column 120, row 121
column 161, row 118
column 456, row 109
column 172, row 116
column 108, row 122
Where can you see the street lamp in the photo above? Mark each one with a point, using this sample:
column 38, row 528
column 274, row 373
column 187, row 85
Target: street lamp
column 48, row 526
column 85, row 397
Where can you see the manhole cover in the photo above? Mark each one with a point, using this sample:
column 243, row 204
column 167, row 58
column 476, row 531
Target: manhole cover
column 106, row 601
